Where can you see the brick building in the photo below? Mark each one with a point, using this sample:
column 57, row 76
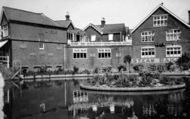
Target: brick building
column 101, row 46
column 161, row 37
column 31, row 39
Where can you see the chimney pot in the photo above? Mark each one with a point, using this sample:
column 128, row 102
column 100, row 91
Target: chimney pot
column 67, row 16
column 103, row 22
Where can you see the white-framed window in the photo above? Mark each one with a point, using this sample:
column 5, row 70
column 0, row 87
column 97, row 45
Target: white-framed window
column 147, row 36
column 160, row 20
column 79, row 53
column 5, row 30
column 173, row 51
column 41, row 44
column 110, row 37
column 173, row 35
column 148, row 52
column 70, row 36
column 104, row 53
column 93, row 37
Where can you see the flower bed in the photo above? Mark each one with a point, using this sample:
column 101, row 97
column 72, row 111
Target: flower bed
column 146, row 81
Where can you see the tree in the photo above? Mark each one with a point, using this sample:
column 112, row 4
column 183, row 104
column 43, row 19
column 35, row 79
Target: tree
column 127, row 60
column 184, row 61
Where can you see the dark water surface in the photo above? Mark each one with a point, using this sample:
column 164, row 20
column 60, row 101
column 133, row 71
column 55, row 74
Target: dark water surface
column 65, row 100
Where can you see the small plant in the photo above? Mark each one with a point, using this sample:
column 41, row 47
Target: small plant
column 75, row 70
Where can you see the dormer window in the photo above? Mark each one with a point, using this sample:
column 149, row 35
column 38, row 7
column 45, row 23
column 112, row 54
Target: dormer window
column 160, row 20
column 5, row 30
column 93, row 37
column 110, row 37
column 173, row 35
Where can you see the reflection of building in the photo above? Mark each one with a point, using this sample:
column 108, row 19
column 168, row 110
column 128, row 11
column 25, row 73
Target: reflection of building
column 161, row 37
column 80, row 96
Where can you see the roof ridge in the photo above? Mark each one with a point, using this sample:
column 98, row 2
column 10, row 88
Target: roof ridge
column 112, row 24
column 21, row 10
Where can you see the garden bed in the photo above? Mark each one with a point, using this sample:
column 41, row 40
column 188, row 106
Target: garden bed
column 132, row 89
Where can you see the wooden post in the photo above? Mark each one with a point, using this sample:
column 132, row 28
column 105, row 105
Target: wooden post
column 1, row 96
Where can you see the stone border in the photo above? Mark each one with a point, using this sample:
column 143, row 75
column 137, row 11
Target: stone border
column 132, row 89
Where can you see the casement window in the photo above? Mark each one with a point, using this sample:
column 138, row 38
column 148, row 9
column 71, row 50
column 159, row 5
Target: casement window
column 104, row 53
column 5, row 30
column 70, row 36
column 110, row 37
column 79, row 53
column 93, row 37
column 147, row 36
column 173, row 51
column 41, row 44
column 173, row 35
column 148, row 52
column 160, row 20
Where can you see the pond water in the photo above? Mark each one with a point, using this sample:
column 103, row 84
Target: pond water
column 65, row 100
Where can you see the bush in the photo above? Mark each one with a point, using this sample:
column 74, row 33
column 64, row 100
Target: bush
column 121, row 67
column 184, row 61
column 138, row 68
column 75, row 70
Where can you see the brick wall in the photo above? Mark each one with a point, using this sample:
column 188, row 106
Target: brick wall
column 160, row 35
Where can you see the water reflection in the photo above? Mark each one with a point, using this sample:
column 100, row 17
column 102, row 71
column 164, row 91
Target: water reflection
column 98, row 105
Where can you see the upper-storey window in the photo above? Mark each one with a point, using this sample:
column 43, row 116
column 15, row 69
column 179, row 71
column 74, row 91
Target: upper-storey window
column 173, row 35
column 79, row 53
column 110, row 37
column 70, row 36
column 173, row 51
column 93, row 37
column 147, row 36
column 5, row 30
column 104, row 53
column 160, row 20
column 41, row 44
column 148, row 52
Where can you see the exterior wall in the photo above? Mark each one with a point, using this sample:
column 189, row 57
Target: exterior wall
column 91, row 31
column 92, row 61
column 34, row 33
column 28, row 54
column 25, row 46
column 160, row 36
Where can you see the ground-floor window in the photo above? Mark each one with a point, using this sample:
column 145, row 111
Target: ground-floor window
column 173, row 51
column 79, row 53
column 148, row 51
column 104, row 53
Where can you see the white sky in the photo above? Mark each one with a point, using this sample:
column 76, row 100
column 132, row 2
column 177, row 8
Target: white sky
column 83, row 12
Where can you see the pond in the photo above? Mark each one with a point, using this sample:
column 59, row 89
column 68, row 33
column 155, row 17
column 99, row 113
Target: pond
column 65, row 100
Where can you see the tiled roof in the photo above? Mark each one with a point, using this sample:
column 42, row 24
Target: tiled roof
column 108, row 28
column 63, row 23
column 112, row 28
column 27, row 16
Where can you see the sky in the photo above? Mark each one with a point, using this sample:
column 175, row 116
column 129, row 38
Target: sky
column 83, row 12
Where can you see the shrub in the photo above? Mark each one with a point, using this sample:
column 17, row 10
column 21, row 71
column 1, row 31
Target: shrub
column 75, row 70
column 96, row 70
column 121, row 67
column 184, row 61
column 138, row 67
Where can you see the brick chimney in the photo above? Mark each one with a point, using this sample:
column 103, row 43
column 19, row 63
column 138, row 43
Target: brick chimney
column 103, row 22
column 67, row 16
